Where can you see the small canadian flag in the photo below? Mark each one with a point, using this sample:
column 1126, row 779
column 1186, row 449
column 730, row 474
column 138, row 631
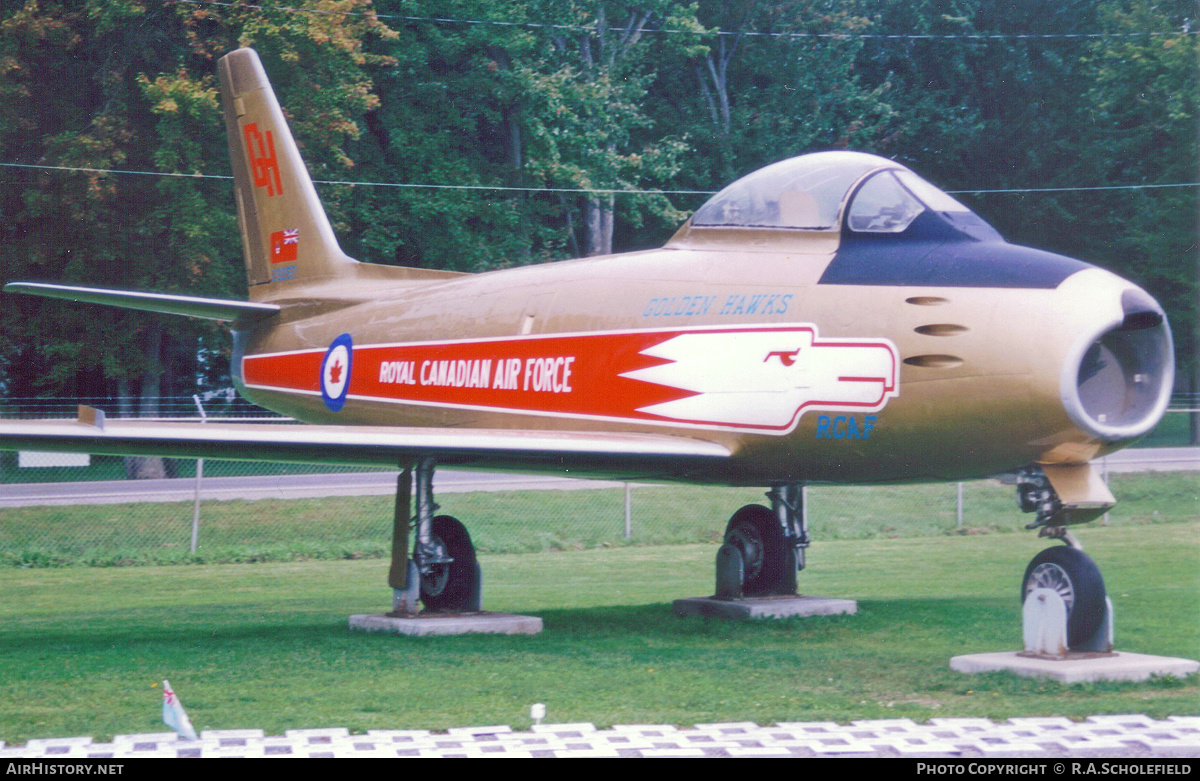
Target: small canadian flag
column 174, row 716
column 285, row 245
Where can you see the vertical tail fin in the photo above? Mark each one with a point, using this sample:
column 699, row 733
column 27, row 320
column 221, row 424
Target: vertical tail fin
column 286, row 236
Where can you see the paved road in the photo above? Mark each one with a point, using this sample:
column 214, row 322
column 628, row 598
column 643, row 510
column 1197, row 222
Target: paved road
column 380, row 483
column 1154, row 459
column 273, row 487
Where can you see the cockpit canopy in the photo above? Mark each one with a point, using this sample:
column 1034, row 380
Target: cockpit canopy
column 811, row 192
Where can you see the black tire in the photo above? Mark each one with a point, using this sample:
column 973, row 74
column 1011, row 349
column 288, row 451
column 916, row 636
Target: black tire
column 1076, row 578
column 448, row 587
column 756, row 532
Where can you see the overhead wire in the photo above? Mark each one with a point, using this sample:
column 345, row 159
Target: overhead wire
column 591, row 190
column 575, row 190
column 698, row 33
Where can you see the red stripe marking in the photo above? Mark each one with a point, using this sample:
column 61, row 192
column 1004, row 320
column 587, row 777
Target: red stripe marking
column 585, row 367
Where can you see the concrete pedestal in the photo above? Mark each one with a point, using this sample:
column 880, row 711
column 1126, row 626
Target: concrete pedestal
column 764, row 607
column 1078, row 667
column 424, row 624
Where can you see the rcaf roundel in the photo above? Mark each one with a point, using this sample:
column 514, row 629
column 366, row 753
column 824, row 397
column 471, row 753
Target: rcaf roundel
column 335, row 372
column 757, row 378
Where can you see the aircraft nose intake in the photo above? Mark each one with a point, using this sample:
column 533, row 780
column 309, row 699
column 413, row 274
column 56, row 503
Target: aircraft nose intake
column 1117, row 382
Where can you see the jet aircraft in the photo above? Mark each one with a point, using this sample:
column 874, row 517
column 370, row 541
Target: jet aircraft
column 831, row 318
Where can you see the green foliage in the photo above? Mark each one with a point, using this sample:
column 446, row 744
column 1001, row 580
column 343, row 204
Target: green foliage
column 1142, row 103
column 131, row 86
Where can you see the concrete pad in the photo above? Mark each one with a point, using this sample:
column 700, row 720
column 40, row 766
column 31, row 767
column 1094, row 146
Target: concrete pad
column 764, row 607
column 1089, row 667
column 449, row 624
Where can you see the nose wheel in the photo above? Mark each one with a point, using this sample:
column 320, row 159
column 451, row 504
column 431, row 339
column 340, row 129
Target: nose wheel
column 1059, row 496
column 1070, row 573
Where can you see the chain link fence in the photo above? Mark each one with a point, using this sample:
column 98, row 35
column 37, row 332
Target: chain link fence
column 53, row 514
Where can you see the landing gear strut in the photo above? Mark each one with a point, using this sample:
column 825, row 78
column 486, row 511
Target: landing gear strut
column 757, row 565
column 1066, row 573
column 443, row 572
column 764, row 548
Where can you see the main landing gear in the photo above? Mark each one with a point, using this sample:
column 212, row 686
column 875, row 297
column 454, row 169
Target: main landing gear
column 443, row 573
column 764, row 548
column 1066, row 572
column 757, row 565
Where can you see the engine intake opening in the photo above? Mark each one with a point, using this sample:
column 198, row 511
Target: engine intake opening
column 1124, row 377
column 1136, row 321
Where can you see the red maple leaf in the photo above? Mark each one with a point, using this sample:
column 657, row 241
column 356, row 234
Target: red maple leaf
column 335, row 373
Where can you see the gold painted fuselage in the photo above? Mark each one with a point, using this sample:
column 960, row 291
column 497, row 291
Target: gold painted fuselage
column 979, row 367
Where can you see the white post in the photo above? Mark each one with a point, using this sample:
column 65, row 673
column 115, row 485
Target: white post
column 960, row 505
column 199, row 475
column 628, row 512
column 1104, row 476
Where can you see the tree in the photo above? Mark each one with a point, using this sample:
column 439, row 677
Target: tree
column 776, row 80
column 451, row 115
column 96, row 86
column 589, row 128
column 1142, row 130
column 594, row 96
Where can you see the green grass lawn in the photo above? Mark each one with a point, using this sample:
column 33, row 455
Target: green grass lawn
column 524, row 521
column 267, row 645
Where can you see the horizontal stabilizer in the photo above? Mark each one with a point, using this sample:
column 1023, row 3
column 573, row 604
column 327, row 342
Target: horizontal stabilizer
column 582, row 454
column 190, row 306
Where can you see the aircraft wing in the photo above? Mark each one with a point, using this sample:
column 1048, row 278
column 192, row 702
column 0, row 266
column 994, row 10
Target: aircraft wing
column 584, row 454
column 164, row 303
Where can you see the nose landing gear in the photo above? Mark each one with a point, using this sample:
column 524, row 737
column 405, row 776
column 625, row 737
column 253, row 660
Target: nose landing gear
column 1067, row 616
column 1062, row 495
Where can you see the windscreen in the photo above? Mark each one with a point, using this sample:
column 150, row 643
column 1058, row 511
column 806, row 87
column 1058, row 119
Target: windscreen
column 804, row 192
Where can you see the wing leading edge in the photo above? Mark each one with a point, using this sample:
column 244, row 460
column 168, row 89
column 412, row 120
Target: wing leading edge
column 583, row 454
column 189, row 306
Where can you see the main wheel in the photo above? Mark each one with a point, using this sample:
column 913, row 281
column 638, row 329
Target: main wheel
column 755, row 531
column 1076, row 578
column 447, row 586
